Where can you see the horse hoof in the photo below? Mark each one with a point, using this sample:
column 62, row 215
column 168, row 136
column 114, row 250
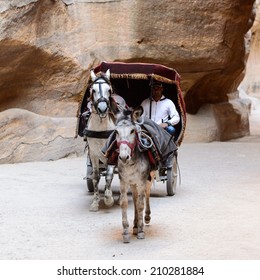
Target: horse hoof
column 109, row 201
column 117, row 202
column 126, row 238
column 93, row 207
column 135, row 231
column 147, row 219
column 140, row 235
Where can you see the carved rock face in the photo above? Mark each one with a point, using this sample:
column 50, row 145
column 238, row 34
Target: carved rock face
column 26, row 136
column 251, row 82
column 47, row 47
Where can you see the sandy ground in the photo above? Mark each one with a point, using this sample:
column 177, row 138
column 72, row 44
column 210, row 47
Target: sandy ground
column 214, row 215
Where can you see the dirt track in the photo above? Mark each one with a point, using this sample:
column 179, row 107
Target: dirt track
column 214, row 215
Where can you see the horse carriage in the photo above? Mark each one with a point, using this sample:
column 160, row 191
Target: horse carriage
column 133, row 82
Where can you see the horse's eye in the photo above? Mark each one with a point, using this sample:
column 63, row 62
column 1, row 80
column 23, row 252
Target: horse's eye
column 132, row 131
column 93, row 91
column 110, row 91
column 116, row 132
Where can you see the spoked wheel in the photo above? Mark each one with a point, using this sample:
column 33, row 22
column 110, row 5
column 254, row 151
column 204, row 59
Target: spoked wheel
column 172, row 174
column 89, row 176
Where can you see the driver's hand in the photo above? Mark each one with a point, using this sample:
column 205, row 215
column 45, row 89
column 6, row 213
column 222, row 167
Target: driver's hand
column 164, row 125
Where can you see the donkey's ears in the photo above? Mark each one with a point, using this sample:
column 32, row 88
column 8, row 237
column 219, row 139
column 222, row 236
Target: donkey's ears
column 107, row 74
column 93, row 75
column 137, row 113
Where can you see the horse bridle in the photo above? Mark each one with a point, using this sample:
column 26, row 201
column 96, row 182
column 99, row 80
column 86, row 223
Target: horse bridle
column 104, row 134
column 102, row 98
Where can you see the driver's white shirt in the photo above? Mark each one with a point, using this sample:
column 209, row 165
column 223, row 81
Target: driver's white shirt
column 163, row 110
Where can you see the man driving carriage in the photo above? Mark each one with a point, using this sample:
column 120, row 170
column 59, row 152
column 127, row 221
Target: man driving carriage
column 161, row 109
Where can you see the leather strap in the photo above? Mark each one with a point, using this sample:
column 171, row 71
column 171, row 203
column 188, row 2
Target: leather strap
column 97, row 134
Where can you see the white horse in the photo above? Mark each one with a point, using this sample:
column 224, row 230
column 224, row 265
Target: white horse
column 100, row 122
column 134, row 170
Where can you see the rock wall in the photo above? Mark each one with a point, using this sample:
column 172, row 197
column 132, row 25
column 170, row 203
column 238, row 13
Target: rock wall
column 48, row 46
column 251, row 82
column 26, row 136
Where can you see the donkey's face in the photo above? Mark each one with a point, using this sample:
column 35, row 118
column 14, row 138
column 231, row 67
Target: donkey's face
column 126, row 135
column 126, row 140
column 100, row 93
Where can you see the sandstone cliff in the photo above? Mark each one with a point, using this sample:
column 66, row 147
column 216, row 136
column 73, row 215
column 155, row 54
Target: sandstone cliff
column 251, row 82
column 48, row 46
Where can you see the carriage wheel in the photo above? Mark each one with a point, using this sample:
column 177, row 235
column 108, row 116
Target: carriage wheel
column 172, row 174
column 89, row 175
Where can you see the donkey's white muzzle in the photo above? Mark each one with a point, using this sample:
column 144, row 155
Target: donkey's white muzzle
column 124, row 154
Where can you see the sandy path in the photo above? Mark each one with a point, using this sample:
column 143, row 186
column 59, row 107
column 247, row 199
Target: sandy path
column 214, row 215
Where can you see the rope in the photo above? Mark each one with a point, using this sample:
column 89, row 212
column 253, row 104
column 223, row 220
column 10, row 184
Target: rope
column 144, row 140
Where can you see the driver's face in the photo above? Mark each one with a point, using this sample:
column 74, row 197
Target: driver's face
column 157, row 93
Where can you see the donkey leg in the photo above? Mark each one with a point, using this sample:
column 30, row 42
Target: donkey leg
column 134, row 195
column 96, row 177
column 147, row 218
column 108, row 198
column 140, row 209
column 124, row 205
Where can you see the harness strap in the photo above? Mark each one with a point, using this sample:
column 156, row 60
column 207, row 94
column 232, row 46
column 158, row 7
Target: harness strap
column 97, row 134
column 100, row 78
column 130, row 145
